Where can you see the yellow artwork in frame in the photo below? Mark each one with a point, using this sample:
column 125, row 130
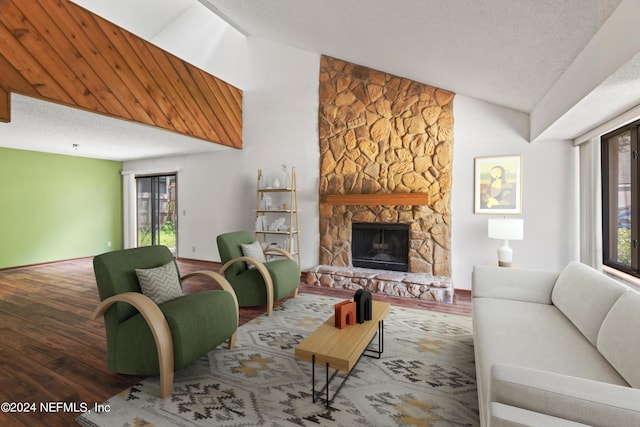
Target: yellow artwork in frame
column 498, row 185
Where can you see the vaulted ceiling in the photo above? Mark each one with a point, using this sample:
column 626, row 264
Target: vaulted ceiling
column 508, row 52
column 57, row 51
column 569, row 64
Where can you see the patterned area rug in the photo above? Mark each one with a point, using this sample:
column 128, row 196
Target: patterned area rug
column 426, row 377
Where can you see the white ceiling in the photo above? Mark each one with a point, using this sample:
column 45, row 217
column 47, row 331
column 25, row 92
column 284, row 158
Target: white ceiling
column 521, row 54
column 43, row 126
column 507, row 52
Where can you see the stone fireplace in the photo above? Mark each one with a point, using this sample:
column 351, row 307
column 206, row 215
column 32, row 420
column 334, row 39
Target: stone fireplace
column 386, row 147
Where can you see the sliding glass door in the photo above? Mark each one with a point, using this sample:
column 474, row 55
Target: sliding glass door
column 157, row 220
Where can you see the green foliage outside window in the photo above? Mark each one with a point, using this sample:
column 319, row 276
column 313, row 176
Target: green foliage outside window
column 167, row 235
column 624, row 246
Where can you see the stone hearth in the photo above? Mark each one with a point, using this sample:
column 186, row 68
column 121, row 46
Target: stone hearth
column 395, row 283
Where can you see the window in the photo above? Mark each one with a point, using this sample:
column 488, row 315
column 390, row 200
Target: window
column 620, row 201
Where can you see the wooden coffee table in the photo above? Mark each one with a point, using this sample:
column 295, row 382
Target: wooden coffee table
column 341, row 349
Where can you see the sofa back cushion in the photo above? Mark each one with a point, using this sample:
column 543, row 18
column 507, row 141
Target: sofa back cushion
column 619, row 337
column 116, row 273
column 585, row 296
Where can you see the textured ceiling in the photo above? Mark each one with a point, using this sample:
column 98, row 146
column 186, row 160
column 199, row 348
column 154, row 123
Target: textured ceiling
column 49, row 127
column 508, row 52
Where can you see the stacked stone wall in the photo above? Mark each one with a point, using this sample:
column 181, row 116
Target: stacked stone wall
column 381, row 133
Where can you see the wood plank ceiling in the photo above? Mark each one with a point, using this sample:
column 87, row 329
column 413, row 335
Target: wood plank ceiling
column 57, row 51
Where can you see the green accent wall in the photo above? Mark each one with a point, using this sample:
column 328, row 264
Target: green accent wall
column 55, row 207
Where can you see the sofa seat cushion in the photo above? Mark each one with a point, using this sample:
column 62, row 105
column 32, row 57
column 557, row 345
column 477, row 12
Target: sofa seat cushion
column 585, row 296
column 565, row 397
column 619, row 338
column 536, row 336
column 511, row 416
column 251, row 290
column 193, row 334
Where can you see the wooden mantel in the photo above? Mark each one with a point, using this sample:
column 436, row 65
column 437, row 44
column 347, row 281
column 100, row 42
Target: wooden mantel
column 379, row 199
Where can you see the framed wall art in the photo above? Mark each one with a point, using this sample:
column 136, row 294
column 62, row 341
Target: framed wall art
column 498, row 185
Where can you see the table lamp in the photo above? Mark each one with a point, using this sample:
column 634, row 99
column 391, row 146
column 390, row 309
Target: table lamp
column 506, row 229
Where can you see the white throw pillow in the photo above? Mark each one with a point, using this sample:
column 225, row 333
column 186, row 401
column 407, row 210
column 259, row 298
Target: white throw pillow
column 161, row 284
column 253, row 250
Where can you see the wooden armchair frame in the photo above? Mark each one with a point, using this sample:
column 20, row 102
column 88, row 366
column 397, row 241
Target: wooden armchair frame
column 159, row 326
column 268, row 282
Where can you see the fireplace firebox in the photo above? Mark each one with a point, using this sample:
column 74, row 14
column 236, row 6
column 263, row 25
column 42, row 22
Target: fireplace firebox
column 380, row 246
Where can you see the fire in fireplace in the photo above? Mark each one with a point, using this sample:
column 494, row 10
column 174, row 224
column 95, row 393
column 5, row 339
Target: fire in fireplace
column 380, row 245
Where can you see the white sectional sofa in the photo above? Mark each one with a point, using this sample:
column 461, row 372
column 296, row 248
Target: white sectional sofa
column 555, row 349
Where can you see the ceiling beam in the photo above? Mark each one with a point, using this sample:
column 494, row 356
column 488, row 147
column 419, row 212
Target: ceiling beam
column 57, row 51
column 5, row 106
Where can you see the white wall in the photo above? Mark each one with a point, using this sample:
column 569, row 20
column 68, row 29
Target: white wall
column 216, row 191
column 280, row 125
column 549, row 197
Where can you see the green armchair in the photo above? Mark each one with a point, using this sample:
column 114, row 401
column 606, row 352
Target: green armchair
column 265, row 282
column 146, row 338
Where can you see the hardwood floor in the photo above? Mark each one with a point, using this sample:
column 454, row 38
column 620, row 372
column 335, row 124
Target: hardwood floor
column 53, row 351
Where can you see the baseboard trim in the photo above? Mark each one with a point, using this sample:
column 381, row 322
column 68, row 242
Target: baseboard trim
column 37, row 264
column 218, row 263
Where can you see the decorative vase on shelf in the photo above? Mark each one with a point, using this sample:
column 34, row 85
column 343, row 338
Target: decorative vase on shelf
column 287, row 178
column 276, row 183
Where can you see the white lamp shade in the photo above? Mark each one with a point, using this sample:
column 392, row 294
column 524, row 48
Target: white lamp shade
column 506, row 228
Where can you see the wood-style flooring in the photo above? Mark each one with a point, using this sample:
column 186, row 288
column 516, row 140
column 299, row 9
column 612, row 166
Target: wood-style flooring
column 51, row 349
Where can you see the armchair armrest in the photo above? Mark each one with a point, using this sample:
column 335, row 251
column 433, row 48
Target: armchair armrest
column 570, row 398
column 226, row 286
column 268, row 283
column 513, row 284
column 159, row 328
column 282, row 252
column 278, row 251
